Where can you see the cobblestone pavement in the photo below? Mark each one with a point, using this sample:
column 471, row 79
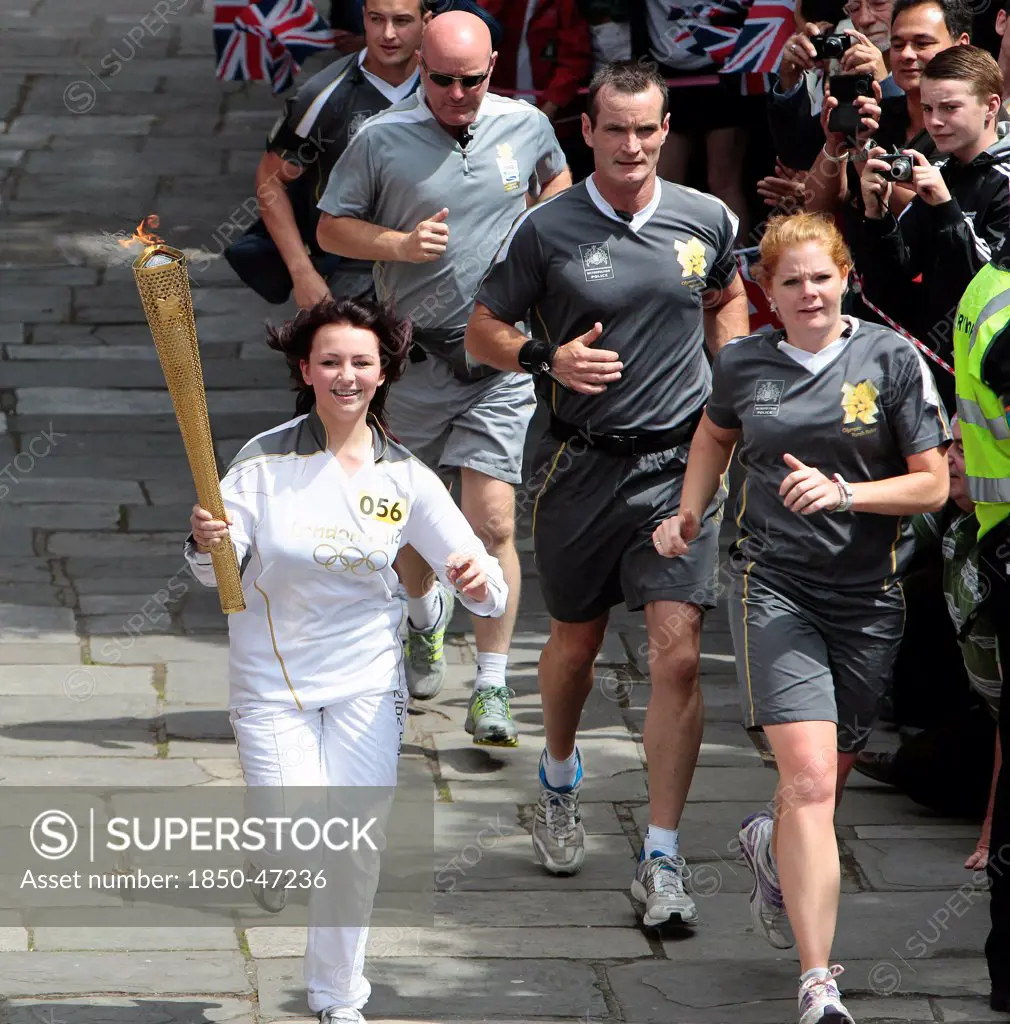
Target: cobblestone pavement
column 108, row 112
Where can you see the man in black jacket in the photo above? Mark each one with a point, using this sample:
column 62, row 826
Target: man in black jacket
column 961, row 210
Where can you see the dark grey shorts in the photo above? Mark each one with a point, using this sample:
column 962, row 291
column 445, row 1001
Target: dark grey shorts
column 807, row 654
column 592, row 532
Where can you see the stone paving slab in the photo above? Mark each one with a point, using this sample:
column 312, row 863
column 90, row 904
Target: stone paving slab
column 585, row 943
column 77, row 683
column 146, row 973
column 445, row 988
column 101, row 769
column 113, row 1010
column 110, row 939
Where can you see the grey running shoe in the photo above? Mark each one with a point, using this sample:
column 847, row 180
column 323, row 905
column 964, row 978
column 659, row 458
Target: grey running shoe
column 423, row 652
column 270, row 898
column 659, row 885
column 559, row 838
column 767, row 907
column 489, row 718
column 820, row 1001
column 341, row 1015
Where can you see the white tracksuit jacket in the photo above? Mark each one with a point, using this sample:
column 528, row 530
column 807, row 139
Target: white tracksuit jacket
column 316, row 547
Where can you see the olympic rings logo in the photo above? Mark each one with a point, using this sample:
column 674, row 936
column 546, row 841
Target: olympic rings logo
column 350, row 559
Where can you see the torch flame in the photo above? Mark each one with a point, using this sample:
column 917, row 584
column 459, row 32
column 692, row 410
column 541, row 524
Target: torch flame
column 144, row 233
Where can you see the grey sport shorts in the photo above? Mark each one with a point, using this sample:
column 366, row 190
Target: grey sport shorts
column 593, row 521
column 812, row 654
column 448, row 424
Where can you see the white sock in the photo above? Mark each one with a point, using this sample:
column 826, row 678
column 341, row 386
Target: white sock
column 662, row 840
column 814, row 972
column 490, row 670
column 561, row 774
column 423, row 612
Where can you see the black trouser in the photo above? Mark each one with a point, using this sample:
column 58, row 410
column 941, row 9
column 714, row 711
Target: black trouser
column 257, row 261
column 995, row 561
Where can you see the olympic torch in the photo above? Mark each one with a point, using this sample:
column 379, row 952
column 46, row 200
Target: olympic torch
column 163, row 283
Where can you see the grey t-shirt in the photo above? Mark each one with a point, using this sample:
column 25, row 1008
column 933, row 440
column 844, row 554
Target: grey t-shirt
column 861, row 416
column 574, row 261
column 402, row 167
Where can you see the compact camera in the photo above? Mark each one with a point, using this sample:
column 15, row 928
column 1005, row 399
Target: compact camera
column 831, row 47
column 901, row 167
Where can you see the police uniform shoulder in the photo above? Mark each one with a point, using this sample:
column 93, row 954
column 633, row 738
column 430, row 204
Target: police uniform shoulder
column 407, row 111
column 335, row 74
column 294, row 437
column 541, row 217
column 704, row 203
column 743, row 347
column 498, row 106
column 881, row 337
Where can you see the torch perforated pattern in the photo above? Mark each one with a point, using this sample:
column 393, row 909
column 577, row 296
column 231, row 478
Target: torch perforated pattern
column 168, row 306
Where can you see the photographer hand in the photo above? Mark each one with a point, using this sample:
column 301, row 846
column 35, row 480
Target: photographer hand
column 798, row 56
column 928, row 182
column 863, row 57
column 875, row 188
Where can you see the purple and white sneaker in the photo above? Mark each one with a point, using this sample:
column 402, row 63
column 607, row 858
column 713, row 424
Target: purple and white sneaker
column 820, row 1002
column 767, row 907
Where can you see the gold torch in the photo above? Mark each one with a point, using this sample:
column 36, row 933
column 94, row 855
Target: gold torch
column 163, row 283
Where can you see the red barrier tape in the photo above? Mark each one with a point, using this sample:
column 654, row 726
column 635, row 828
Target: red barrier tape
column 924, row 349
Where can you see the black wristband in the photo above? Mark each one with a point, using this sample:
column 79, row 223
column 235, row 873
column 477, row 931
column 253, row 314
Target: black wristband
column 536, row 356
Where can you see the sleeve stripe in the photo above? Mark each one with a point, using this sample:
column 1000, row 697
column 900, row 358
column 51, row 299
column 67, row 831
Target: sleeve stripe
column 305, row 125
column 981, row 245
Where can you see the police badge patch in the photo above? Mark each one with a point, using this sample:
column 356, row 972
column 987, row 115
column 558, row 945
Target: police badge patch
column 768, row 397
column 596, row 261
column 357, row 121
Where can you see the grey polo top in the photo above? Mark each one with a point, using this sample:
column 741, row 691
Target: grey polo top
column 402, row 167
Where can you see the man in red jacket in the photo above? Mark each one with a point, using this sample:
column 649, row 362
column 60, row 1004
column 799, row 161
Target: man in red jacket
column 546, row 56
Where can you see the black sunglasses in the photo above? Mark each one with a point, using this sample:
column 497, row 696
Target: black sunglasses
column 445, row 81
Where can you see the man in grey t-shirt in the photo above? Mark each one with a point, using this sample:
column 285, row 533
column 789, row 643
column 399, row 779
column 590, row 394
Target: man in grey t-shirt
column 428, row 190
column 645, row 269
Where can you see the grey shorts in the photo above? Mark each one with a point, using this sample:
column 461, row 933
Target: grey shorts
column 450, row 425
column 807, row 654
column 593, row 521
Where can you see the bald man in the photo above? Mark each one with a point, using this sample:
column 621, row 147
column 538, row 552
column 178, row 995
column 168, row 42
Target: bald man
column 428, row 190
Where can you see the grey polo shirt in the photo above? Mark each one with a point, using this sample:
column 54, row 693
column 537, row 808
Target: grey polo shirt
column 402, row 167
column 574, row 260
column 860, row 414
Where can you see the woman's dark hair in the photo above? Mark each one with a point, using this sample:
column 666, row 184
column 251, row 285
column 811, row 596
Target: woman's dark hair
column 294, row 339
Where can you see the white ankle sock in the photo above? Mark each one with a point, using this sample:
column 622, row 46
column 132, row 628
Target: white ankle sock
column 662, row 840
column 814, row 972
column 490, row 670
column 424, row 611
column 561, row 774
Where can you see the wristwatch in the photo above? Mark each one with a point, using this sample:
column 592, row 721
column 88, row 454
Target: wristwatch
column 844, row 493
column 536, row 357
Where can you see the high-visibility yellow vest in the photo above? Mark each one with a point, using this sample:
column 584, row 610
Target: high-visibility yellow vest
column 983, row 313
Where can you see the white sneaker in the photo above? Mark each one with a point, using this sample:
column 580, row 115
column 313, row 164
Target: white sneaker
column 559, row 837
column 659, row 884
column 341, row 1015
column 820, row 1002
column 767, row 908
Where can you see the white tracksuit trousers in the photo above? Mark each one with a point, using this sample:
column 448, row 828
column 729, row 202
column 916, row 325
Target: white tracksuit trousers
column 353, row 743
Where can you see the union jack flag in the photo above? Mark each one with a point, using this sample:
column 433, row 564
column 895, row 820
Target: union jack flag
column 760, row 42
column 761, row 315
column 707, row 29
column 268, row 40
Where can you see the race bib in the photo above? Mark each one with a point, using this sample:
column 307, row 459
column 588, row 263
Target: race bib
column 383, row 510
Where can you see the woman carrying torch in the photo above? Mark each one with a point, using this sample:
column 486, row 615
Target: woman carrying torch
column 318, row 508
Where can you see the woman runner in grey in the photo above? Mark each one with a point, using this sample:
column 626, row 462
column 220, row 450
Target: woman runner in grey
column 842, row 435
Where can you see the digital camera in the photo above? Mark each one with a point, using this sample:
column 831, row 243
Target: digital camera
column 831, row 47
column 901, row 167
